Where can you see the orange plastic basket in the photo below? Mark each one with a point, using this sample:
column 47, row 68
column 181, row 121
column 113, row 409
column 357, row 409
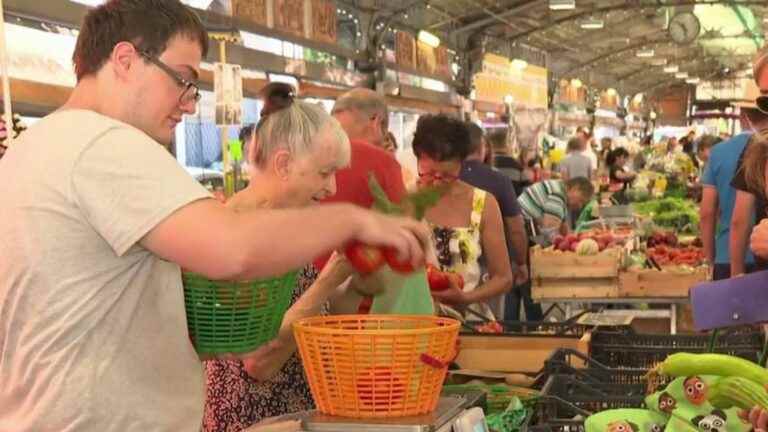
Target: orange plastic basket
column 368, row 366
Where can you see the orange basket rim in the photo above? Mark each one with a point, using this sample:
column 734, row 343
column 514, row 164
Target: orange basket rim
column 306, row 324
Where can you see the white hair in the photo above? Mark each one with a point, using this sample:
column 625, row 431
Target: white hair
column 296, row 129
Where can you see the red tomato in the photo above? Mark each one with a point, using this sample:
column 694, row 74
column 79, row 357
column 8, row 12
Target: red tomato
column 378, row 385
column 390, row 255
column 438, row 281
column 364, row 258
column 458, row 278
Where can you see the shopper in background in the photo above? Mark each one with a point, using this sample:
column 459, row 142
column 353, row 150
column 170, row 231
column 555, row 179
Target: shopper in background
column 704, row 150
column 480, row 175
column 520, row 170
column 672, row 146
column 93, row 329
column 606, row 146
column 588, row 146
column 546, row 204
column 466, row 222
column 575, row 164
column 390, row 143
column 641, row 158
column 294, row 154
column 717, row 203
column 619, row 177
column 750, row 203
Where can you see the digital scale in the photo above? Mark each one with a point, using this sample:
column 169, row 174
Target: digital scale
column 459, row 413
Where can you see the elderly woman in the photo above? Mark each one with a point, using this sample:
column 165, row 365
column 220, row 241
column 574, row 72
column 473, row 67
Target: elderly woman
column 294, row 154
column 466, row 222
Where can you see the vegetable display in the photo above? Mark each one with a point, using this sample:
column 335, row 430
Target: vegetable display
column 675, row 213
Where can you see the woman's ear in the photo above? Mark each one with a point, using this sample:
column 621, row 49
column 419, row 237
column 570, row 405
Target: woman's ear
column 282, row 164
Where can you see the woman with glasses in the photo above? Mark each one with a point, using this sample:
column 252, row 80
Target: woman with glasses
column 294, row 153
column 466, row 222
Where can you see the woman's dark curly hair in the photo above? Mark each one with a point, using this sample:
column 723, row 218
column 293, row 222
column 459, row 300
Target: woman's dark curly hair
column 441, row 138
column 615, row 154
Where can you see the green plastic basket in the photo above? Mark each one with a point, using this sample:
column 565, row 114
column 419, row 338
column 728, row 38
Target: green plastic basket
column 235, row 317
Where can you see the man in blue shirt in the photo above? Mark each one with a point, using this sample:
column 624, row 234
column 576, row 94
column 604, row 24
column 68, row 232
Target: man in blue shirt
column 718, row 197
column 480, row 175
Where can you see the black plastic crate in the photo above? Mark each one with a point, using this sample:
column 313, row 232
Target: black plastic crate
column 566, row 361
column 644, row 351
column 567, row 401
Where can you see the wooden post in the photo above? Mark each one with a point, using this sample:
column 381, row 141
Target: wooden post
column 229, row 183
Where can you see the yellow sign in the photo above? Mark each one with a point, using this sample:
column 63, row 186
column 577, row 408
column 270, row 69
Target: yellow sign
column 499, row 78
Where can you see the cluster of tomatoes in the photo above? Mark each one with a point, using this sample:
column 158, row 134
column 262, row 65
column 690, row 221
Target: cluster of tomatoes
column 665, row 255
column 367, row 259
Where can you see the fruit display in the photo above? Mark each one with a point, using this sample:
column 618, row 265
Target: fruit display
column 664, row 255
column 598, row 242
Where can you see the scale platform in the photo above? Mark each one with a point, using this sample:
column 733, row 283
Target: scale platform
column 448, row 408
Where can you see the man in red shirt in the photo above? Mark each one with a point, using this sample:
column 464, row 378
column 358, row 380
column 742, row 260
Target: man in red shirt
column 364, row 116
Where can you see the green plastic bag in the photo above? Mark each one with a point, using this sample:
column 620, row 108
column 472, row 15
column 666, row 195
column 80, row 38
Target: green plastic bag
column 511, row 419
column 405, row 294
column 626, row 420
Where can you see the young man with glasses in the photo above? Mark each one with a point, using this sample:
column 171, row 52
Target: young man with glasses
column 98, row 220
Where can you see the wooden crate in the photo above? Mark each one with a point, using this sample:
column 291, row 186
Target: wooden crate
column 527, row 353
column 563, row 275
column 658, row 284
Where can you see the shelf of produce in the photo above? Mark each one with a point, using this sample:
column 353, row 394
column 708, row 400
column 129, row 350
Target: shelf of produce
column 564, row 275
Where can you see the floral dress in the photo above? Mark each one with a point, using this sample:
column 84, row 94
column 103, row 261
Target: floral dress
column 460, row 249
column 235, row 401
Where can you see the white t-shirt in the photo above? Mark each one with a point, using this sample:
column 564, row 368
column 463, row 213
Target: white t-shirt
column 592, row 157
column 93, row 331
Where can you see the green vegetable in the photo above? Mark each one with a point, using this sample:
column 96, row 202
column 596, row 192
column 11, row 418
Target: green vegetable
column 679, row 214
column 414, row 204
column 687, row 364
column 734, row 391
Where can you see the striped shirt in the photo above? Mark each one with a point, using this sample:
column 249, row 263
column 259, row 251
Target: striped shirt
column 544, row 198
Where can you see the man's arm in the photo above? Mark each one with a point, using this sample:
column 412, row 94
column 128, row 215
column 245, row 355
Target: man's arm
column 519, row 239
column 708, row 220
column 208, row 238
column 743, row 209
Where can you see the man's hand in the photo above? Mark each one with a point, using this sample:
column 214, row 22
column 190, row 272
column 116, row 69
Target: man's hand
column 520, row 272
column 758, row 242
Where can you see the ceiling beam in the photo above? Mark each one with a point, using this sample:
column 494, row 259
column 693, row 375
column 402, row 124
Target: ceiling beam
column 528, row 4
column 614, row 52
column 624, row 6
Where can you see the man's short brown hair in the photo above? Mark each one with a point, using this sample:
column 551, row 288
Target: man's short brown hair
column 147, row 24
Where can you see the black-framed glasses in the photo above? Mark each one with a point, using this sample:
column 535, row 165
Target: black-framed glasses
column 191, row 90
column 762, row 103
